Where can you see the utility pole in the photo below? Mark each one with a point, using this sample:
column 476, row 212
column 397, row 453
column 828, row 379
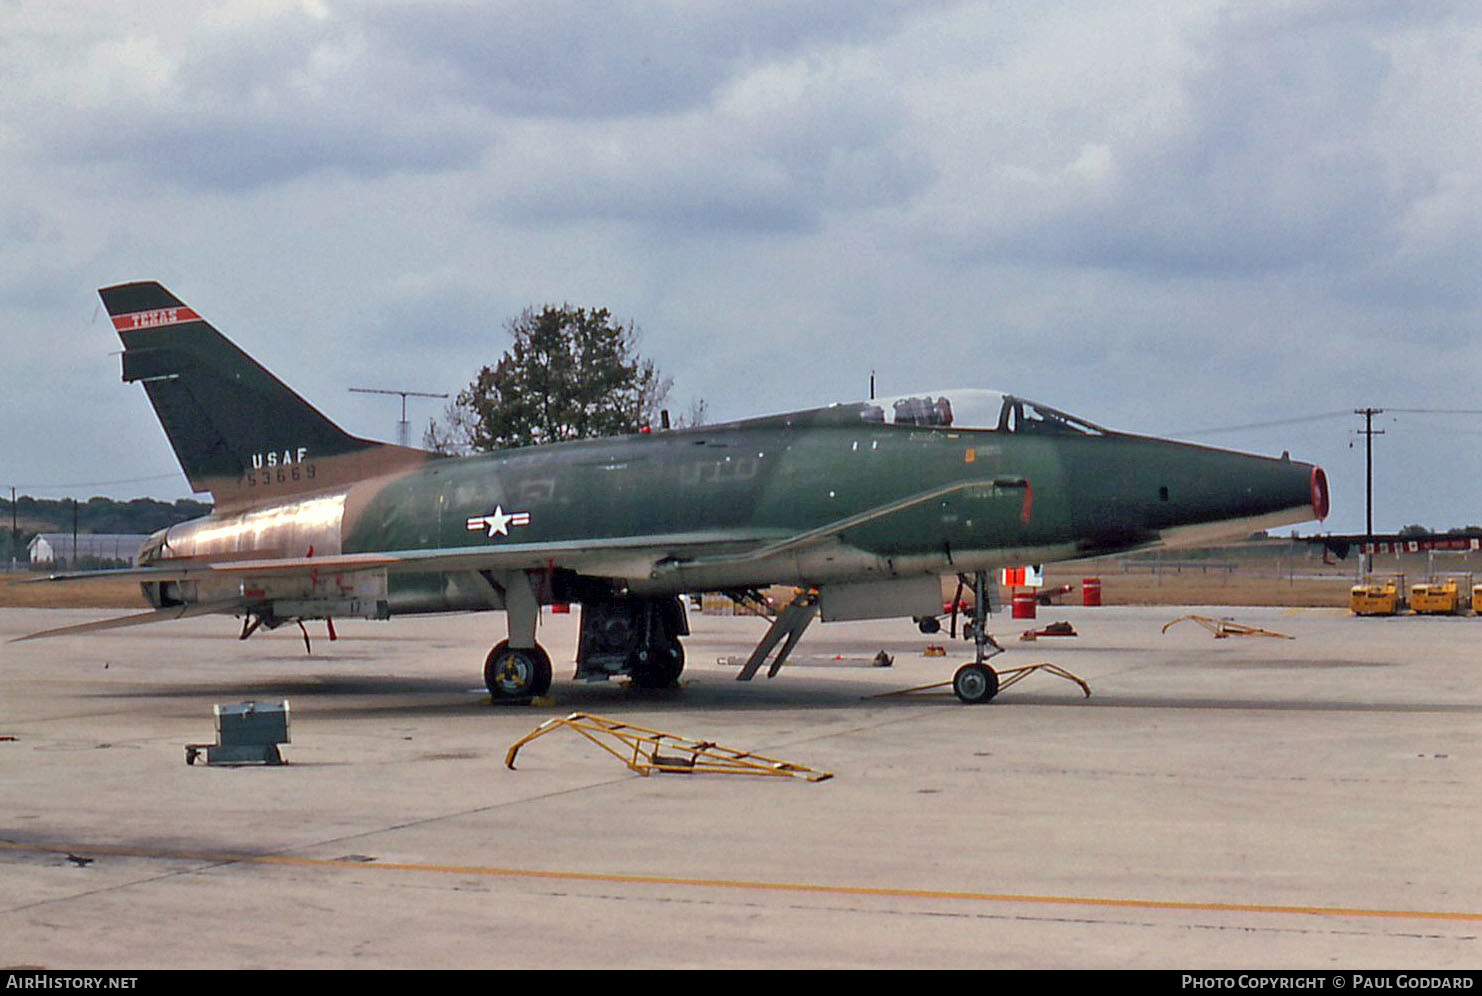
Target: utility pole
column 402, row 428
column 1369, row 432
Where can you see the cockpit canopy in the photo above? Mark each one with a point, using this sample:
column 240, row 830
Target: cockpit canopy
column 973, row 409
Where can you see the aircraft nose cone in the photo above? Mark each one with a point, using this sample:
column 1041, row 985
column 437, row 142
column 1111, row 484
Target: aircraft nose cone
column 1249, row 493
column 1291, row 488
column 1142, row 490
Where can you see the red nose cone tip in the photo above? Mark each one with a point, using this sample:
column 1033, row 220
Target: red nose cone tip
column 1319, row 493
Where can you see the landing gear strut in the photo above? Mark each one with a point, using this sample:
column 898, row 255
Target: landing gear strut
column 517, row 669
column 977, row 682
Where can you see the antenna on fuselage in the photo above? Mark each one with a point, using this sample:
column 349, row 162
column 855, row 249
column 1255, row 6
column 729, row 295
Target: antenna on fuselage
column 402, row 428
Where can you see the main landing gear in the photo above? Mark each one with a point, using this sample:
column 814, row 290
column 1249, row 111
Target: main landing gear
column 620, row 635
column 638, row 637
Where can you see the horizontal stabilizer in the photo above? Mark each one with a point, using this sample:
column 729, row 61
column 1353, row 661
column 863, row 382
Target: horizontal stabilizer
column 193, row 570
column 138, row 619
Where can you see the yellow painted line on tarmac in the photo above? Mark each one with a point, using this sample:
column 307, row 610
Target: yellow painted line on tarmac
column 219, row 857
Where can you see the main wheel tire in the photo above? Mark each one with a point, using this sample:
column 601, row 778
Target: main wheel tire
column 975, row 683
column 512, row 674
column 659, row 667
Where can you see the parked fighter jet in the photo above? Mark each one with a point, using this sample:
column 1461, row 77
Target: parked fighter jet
column 861, row 507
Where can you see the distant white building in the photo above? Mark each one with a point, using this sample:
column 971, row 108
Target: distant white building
column 91, row 548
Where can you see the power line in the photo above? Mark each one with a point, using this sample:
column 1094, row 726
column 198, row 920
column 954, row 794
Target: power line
column 100, row 484
column 1437, row 411
column 1322, row 416
column 1265, row 425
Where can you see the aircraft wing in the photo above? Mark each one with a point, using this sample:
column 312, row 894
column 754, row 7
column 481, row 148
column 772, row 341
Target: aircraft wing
column 620, row 557
column 627, row 556
column 624, row 556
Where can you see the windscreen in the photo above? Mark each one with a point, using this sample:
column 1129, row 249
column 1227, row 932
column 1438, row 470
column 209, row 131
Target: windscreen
column 973, row 409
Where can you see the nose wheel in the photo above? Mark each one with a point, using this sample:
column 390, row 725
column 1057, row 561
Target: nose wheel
column 975, row 683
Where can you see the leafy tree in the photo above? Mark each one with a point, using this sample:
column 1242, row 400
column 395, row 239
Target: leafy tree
column 571, row 373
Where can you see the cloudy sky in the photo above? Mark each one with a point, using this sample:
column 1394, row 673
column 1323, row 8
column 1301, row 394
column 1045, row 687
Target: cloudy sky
column 1228, row 222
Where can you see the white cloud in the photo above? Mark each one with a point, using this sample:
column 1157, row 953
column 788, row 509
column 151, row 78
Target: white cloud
column 780, row 148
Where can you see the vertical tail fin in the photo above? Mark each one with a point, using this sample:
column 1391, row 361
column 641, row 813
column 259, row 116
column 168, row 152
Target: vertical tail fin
column 237, row 430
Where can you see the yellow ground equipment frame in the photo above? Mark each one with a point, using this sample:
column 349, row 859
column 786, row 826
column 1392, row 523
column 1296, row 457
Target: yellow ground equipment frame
column 1222, row 628
column 638, row 748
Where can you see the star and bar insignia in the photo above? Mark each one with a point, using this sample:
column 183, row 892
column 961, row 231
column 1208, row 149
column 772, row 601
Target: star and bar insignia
column 498, row 521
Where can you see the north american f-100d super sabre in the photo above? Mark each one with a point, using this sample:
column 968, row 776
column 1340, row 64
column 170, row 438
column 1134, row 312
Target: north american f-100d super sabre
column 862, row 508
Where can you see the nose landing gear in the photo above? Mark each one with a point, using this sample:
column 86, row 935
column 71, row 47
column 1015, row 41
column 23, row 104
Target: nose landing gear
column 977, row 682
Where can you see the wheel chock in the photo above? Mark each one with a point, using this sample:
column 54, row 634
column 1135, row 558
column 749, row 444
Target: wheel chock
column 541, row 701
column 1054, row 629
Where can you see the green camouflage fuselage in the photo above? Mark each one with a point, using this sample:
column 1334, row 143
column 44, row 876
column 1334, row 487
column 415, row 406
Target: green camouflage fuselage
column 687, row 505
